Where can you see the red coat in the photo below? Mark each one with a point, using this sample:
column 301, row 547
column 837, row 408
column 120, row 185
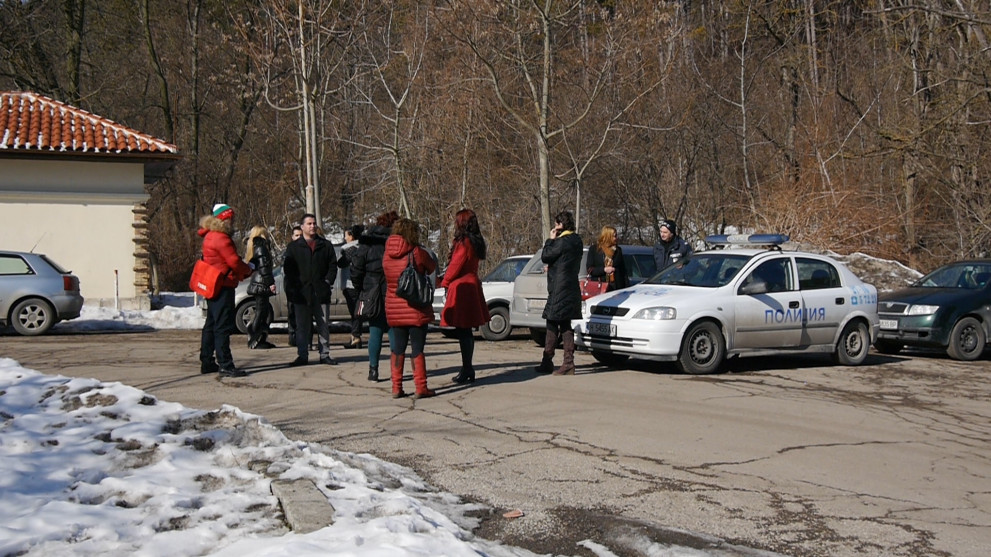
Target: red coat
column 465, row 306
column 219, row 252
column 399, row 312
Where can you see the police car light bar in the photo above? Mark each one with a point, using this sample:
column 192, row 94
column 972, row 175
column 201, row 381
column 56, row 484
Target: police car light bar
column 747, row 239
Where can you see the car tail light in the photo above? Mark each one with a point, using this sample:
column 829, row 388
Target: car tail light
column 70, row 283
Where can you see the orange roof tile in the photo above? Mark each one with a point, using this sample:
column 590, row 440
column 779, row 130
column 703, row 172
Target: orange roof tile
column 32, row 122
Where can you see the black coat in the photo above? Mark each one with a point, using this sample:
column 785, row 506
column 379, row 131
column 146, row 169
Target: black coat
column 666, row 253
column 597, row 265
column 563, row 257
column 366, row 270
column 310, row 275
column 262, row 278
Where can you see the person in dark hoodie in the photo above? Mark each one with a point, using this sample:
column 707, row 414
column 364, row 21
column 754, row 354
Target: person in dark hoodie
column 670, row 247
column 407, row 322
column 562, row 253
column 369, row 282
column 219, row 252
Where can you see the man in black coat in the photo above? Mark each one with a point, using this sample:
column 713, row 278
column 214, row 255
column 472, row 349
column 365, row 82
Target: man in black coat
column 310, row 269
column 669, row 248
column 562, row 254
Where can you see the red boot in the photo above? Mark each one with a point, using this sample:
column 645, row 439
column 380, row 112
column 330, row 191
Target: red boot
column 420, row 377
column 396, row 362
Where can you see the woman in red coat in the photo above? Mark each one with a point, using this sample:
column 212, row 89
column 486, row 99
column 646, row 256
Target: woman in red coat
column 464, row 306
column 219, row 251
column 407, row 323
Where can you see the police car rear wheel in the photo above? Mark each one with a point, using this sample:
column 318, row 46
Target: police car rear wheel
column 854, row 343
column 702, row 349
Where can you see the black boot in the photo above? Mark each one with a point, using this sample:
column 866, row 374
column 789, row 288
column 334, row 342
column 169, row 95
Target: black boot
column 373, row 374
column 546, row 365
column 466, row 375
column 209, row 367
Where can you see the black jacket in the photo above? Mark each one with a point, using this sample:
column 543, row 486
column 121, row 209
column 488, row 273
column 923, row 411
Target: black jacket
column 666, row 253
column 597, row 265
column 310, row 274
column 262, row 279
column 366, row 270
column 563, row 257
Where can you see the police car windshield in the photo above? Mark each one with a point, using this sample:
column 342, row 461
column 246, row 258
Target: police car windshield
column 708, row 270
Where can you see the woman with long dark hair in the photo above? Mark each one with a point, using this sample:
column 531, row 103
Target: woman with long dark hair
column 464, row 306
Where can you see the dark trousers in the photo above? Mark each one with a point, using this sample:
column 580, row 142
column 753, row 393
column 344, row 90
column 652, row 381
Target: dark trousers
column 217, row 330
column 415, row 337
column 258, row 328
column 306, row 317
column 292, row 323
column 351, row 297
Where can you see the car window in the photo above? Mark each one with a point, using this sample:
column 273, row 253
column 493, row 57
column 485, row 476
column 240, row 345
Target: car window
column 639, row 266
column 960, row 275
column 776, row 273
column 505, row 272
column 707, row 270
column 814, row 274
column 14, row 265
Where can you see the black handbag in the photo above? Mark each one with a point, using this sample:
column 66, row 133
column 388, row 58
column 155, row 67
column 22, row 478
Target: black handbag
column 414, row 286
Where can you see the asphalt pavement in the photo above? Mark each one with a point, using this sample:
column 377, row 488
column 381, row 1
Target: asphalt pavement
column 784, row 454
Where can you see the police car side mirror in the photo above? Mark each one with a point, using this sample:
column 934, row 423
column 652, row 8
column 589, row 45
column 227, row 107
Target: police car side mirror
column 756, row 287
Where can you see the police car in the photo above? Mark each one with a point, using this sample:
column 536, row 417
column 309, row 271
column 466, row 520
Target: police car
column 734, row 301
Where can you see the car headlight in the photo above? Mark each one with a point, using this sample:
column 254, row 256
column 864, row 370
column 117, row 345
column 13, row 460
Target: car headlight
column 656, row 314
column 918, row 309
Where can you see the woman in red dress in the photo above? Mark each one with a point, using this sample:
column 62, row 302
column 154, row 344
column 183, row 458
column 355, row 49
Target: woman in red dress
column 464, row 306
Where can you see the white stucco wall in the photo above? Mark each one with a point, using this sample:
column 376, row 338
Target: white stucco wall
column 77, row 212
column 89, row 240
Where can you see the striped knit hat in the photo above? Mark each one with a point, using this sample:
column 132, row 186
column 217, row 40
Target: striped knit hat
column 222, row 211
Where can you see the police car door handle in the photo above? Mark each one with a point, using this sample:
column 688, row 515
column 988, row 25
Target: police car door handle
column 840, row 301
column 793, row 304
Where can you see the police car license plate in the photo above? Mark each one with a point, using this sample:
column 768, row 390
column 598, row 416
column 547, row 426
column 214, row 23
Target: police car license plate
column 602, row 329
column 889, row 324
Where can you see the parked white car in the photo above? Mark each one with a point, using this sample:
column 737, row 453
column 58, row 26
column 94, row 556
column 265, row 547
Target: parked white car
column 734, row 302
column 36, row 293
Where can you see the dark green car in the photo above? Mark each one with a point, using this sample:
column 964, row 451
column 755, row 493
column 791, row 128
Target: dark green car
column 950, row 308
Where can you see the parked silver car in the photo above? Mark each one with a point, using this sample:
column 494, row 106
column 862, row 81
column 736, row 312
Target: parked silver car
column 36, row 293
column 245, row 304
column 498, row 289
column 530, row 288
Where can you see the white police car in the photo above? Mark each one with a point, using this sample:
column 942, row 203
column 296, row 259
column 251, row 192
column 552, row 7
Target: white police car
column 725, row 303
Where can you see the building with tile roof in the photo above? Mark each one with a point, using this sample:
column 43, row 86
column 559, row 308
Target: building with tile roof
column 73, row 186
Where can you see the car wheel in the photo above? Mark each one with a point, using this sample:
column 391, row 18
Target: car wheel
column 244, row 316
column 967, row 340
column 32, row 317
column 702, row 349
column 538, row 335
column 888, row 346
column 498, row 327
column 609, row 359
column 854, row 344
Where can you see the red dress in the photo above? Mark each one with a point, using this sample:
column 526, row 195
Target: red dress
column 465, row 306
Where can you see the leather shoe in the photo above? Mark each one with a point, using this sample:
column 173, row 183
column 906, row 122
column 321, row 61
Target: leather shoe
column 299, row 361
column 233, row 372
column 327, row 360
column 210, row 367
